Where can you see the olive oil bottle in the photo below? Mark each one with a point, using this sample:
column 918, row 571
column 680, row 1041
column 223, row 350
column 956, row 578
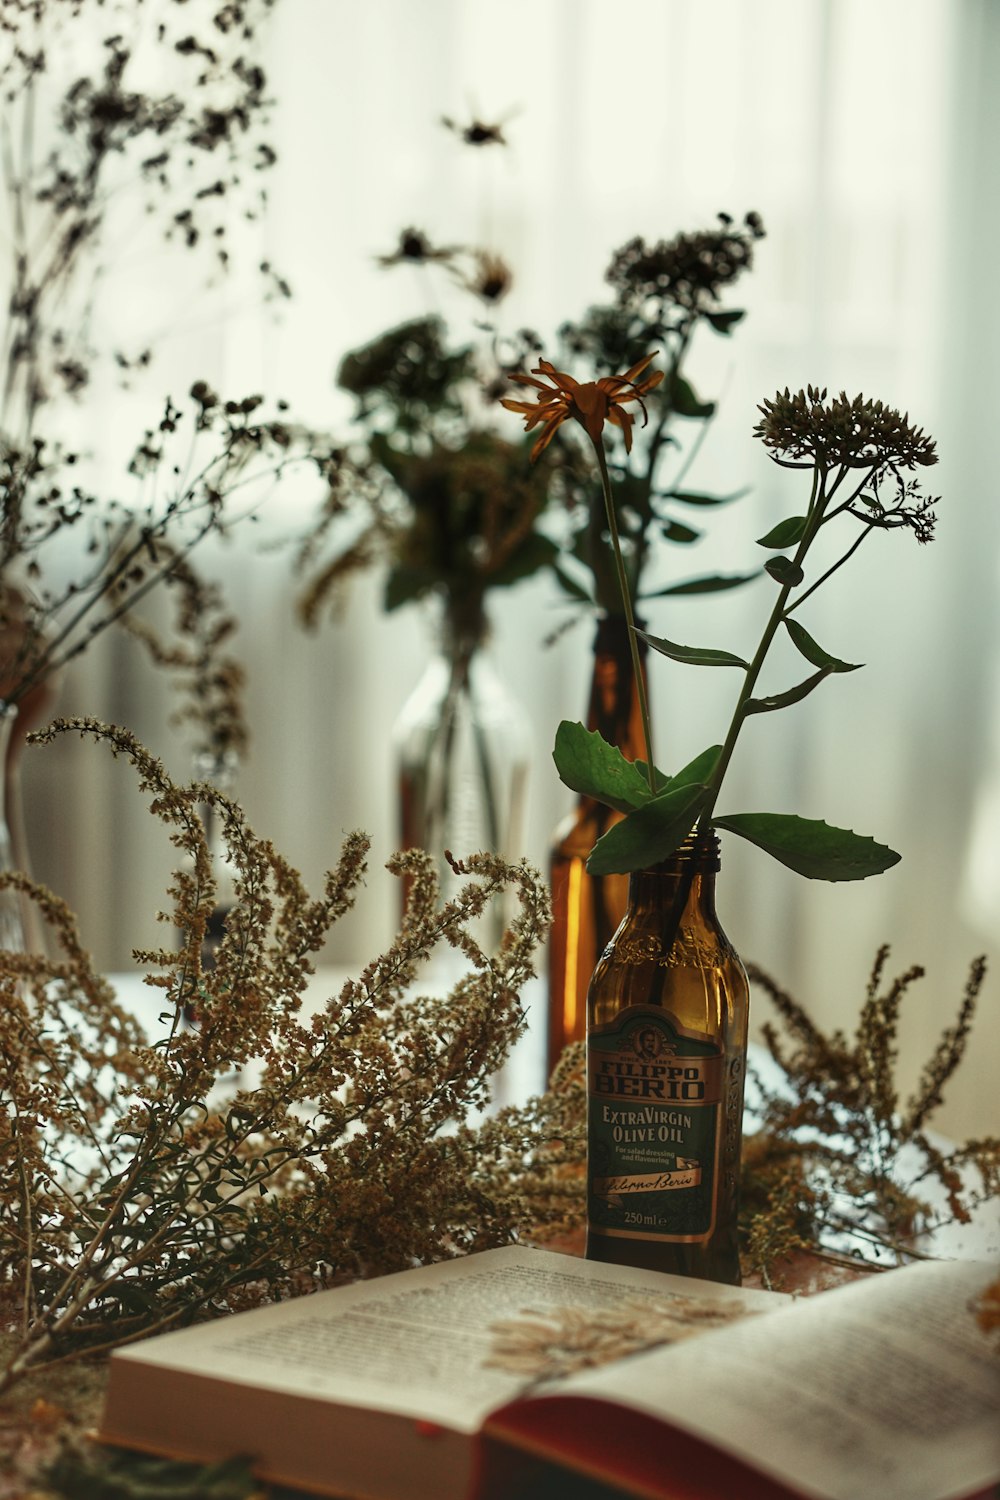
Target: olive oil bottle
column 667, row 1014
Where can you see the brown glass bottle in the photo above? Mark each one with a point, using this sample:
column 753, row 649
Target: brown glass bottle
column 586, row 909
column 666, row 1058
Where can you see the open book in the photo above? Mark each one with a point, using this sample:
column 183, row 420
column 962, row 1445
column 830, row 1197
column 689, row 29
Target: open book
column 437, row 1384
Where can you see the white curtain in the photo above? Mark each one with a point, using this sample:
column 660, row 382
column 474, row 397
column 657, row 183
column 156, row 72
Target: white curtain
column 865, row 136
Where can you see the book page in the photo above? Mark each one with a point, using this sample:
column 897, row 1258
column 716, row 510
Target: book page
column 882, row 1390
column 415, row 1343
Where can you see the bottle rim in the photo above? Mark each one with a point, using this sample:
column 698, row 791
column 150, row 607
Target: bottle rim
column 699, row 851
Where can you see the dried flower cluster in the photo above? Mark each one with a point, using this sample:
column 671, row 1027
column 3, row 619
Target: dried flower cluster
column 841, row 1163
column 210, row 680
column 135, row 1195
column 691, row 270
column 853, row 433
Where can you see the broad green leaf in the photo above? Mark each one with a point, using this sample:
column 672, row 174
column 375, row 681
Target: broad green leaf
column 535, row 552
column 676, row 531
column 814, row 653
column 648, row 835
column 404, row 585
column 589, row 765
column 784, row 700
column 569, row 583
column 696, row 656
column 684, row 401
column 662, row 779
column 785, row 534
column 722, row 322
column 784, row 570
column 710, row 584
column 811, row 847
column 697, row 497
column 699, row 769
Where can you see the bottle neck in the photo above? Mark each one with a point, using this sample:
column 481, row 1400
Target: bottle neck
column 614, row 710
column 685, row 881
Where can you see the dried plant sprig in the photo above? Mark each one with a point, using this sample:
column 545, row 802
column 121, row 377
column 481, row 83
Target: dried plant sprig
column 175, row 114
column 134, row 1197
column 838, row 1164
column 549, row 1343
column 210, row 680
column 199, row 470
column 988, row 1311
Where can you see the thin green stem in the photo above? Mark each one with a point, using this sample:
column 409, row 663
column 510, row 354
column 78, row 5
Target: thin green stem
column 609, row 506
column 831, row 570
column 817, row 503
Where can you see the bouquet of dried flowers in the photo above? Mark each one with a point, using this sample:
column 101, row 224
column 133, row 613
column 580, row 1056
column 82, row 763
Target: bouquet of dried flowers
column 452, row 507
column 465, row 529
column 135, row 1196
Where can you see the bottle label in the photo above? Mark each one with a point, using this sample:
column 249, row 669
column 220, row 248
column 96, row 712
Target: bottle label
column 655, row 1096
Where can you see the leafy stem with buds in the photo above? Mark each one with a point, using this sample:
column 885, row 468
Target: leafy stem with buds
column 853, row 448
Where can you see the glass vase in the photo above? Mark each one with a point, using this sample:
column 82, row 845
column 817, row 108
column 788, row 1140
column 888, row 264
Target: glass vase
column 461, row 746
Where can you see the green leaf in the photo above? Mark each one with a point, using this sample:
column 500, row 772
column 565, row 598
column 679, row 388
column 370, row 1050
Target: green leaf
column 784, row 700
column 535, row 552
column 784, row 570
column 676, row 531
column 697, row 497
column 811, row 847
column 684, row 401
column 699, row 769
column 572, row 587
column 785, row 534
column 588, row 764
column 403, row 586
column 648, row 835
column 696, row 656
column 814, row 653
column 722, row 322
column 710, row 584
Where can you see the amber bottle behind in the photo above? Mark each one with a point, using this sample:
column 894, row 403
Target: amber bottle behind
column 586, row 909
column 666, row 1059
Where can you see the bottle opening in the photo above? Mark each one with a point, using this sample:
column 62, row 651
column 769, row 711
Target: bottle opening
column 699, row 851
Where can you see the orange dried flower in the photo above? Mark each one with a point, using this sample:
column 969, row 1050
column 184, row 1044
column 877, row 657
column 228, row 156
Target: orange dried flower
column 591, row 403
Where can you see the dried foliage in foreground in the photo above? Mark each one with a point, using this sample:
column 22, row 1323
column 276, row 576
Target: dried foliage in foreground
column 842, row 1164
column 134, row 1197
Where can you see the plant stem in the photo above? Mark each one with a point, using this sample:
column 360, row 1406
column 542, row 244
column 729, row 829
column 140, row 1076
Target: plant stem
column 817, row 502
column 609, row 506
